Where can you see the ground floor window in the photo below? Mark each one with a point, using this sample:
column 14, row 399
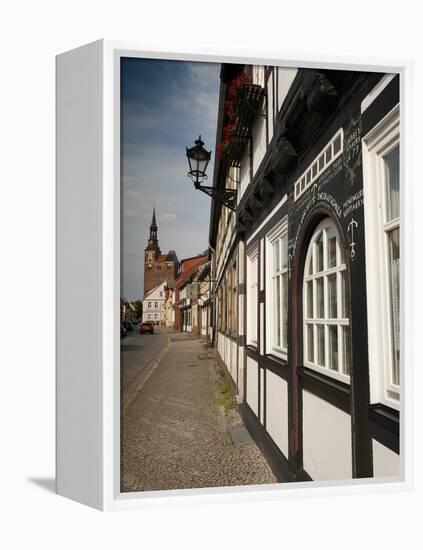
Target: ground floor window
column 326, row 309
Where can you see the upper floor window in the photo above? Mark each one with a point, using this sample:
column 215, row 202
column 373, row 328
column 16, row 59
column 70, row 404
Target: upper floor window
column 149, row 304
column 391, row 229
column 156, row 305
column 277, row 289
column 381, row 186
column 326, row 308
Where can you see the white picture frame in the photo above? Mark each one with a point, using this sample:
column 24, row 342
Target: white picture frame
column 88, row 259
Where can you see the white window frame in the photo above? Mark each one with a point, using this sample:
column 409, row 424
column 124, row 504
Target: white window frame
column 378, row 143
column 149, row 305
column 252, row 294
column 326, row 320
column 278, row 232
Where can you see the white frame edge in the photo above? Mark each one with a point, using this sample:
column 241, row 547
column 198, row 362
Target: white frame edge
column 108, row 496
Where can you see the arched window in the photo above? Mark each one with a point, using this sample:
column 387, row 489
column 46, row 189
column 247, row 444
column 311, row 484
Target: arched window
column 326, row 308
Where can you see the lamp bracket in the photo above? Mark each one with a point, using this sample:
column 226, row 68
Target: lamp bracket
column 226, row 196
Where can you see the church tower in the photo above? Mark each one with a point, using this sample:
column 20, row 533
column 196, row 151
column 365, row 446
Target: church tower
column 152, row 251
column 158, row 267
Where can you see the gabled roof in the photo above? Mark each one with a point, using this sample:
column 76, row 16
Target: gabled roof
column 163, row 284
column 186, row 275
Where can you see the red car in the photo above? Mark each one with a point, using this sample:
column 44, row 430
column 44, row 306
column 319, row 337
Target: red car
column 146, row 327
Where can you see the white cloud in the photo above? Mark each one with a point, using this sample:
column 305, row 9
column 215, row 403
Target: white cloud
column 168, row 216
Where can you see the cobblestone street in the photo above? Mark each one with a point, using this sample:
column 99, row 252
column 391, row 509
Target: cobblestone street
column 180, row 428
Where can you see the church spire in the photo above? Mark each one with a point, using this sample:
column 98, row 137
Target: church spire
column 153, row 243
column 153, row 227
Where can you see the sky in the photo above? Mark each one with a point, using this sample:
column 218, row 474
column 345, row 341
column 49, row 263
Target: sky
column 165, row 105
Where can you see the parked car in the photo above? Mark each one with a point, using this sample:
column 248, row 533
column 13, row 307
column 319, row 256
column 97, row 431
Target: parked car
column 128, row 325
column 123, row 331
column 146, row 327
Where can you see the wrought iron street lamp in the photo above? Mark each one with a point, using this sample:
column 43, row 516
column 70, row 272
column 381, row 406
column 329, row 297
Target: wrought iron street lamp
column 198, row 160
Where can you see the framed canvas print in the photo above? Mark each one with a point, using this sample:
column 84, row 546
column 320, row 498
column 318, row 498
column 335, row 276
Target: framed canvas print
column 232, row 229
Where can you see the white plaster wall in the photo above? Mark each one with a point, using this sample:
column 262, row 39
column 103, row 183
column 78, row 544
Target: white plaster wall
column 386, row 463
column 227, row 358
column 234, row 363
column 244, row 175
column 262, row 382
column 252, row 384
column 270, row 101
column 228, row 353
column 285, row 78
column 259, row 142
column 277, row 410
column 326, row 440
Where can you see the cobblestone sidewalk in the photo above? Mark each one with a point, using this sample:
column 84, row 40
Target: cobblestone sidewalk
column 175, row 430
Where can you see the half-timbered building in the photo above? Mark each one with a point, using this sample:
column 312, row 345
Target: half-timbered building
column 306, row 267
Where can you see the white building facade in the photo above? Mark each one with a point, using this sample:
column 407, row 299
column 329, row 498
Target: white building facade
column 154, row 305
column 306, row 298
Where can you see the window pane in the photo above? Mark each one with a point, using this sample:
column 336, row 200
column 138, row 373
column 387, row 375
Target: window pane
column 277, row 329
column 347, row 350
column 310, row 299
column 276, row 255
column 394, row 261
column 285, row 310
column 319, row 298
column 309, row 269
column 310, row 343
column 392, row 184
column 319, row 254
column 332, row 302
column 333, row 347
column 345, row 295
column 331, row 236
column 321, row 345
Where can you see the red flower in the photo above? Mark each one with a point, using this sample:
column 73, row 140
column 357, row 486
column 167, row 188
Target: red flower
column 228, row 130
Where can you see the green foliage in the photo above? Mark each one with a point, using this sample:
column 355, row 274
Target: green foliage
column 138, row 307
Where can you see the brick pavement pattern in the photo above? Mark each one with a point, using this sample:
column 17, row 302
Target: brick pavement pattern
column 175, row 428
